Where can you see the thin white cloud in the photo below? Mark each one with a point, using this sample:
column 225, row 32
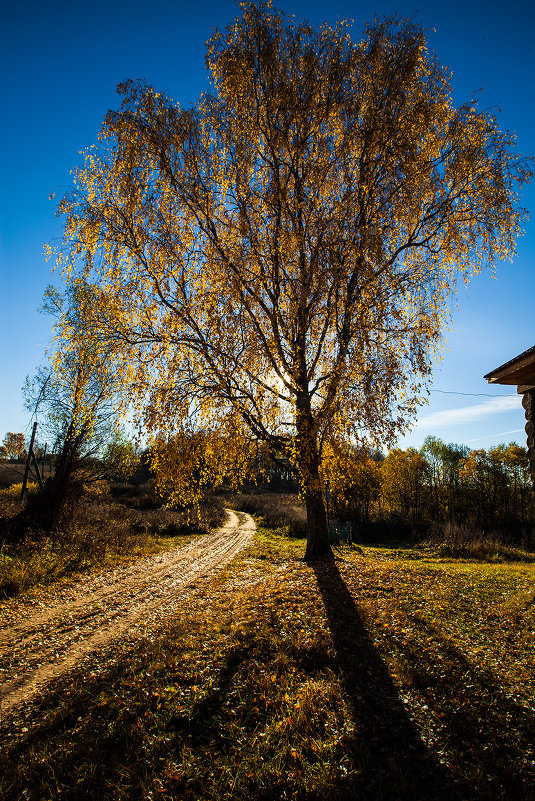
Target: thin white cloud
column 469, row 414
column 499, row 434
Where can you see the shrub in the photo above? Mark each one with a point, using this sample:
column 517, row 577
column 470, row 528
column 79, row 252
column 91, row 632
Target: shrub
column 275, row 509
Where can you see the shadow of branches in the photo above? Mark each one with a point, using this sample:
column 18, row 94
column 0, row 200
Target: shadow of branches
column 394, row 762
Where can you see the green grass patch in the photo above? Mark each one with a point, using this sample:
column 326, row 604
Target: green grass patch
column 380, row 676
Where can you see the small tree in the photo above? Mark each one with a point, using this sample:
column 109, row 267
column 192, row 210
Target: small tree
column 14, row 445
column 76, row 401
column 355, row 480
column 405, row 477
column 282, row 252
column 119, row 456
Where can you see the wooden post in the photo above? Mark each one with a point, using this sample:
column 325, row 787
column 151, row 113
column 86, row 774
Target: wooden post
column 28, row 459
column 37, row 473
column 43, row 461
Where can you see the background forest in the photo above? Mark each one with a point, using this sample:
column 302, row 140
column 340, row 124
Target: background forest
column 443, row 492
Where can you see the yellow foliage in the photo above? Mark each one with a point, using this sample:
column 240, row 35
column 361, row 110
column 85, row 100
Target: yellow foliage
column 355, row 479
column 189, row 462
column 404, row 475
column 278, row 258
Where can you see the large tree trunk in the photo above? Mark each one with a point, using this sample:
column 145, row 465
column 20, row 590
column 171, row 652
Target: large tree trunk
column 317, row 536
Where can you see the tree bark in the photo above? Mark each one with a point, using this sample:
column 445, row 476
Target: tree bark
column 317, row 535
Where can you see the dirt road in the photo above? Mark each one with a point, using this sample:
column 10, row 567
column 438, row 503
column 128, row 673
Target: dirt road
column 44, row 637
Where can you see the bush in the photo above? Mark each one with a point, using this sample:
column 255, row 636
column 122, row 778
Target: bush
column 276, row 510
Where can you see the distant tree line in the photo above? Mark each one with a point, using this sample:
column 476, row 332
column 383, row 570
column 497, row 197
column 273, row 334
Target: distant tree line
column 441, row 487
column 441, row 484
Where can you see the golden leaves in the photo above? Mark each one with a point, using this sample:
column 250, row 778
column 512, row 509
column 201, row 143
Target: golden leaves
column 294, row 238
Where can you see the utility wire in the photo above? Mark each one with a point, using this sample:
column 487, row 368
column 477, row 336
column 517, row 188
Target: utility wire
column 473, row 394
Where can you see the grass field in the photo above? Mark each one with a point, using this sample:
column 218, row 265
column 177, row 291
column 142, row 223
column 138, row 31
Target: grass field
column 13, row 473
column 385, row 675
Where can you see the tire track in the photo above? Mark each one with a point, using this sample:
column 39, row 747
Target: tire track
column 41, row 646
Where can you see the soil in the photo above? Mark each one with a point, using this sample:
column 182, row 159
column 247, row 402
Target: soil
column 45, row 635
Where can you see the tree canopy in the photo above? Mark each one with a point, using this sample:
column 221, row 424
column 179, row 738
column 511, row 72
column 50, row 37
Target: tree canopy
column 276, row 259
column 13, row 445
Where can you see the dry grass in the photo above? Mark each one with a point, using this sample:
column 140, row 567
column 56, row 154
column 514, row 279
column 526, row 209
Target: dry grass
column 463, row 542
column 274, row 510
column 380, row 677
column 112, row 525
column 13, row 473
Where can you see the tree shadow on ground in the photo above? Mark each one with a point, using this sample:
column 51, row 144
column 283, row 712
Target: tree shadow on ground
column 394, row 762
column 120, row 732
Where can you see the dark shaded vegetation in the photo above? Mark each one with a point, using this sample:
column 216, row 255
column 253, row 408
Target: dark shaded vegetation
column 377, row 677
column 444, row 492
column 284, row 511
column 466, row 502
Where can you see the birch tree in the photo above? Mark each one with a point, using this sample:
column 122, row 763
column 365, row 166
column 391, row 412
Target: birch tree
column 278, row 257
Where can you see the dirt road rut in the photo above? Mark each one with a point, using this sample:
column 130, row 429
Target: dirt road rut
column 45, row 637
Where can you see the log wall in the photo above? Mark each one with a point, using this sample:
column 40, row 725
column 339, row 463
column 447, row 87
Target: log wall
column 528, row 402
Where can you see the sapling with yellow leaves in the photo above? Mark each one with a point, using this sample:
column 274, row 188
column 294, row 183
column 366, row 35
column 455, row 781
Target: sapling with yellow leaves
column 77, row 401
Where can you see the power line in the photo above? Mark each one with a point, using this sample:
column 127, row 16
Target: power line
column 473, row 394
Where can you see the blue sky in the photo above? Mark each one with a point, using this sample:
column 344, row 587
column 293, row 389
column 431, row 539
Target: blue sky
column 61, row 62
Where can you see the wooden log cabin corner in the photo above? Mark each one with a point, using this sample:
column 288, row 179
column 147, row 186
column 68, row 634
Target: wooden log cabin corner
column 520, row 372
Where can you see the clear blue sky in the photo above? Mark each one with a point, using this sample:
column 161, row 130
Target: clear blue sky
column 61, row 62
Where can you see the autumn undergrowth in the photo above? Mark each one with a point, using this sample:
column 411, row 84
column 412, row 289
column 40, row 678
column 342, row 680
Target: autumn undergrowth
column 274, row 509
column 376, row 676
column 112, row 526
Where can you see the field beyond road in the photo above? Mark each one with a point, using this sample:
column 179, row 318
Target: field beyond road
column 388, row 674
